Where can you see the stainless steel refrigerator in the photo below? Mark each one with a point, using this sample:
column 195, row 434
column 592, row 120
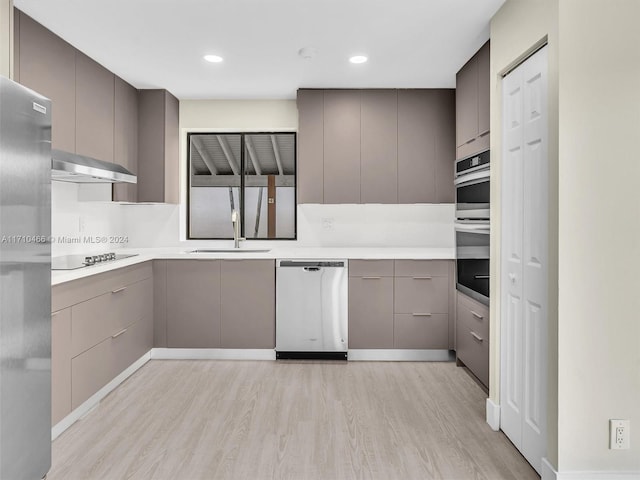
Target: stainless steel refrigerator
column 25, row 283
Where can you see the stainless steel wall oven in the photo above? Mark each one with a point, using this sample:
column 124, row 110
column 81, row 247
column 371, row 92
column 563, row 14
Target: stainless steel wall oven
column 472, row 226
column 472, row 188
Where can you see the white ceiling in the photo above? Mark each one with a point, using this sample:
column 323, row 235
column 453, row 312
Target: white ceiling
column 160, row 43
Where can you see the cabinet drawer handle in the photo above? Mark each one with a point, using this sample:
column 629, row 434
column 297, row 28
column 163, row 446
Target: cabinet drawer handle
column 422, row 278
column 477, row 315
column 421, row 314
column 119, row 333
column 119, row 290
column 486, row 132
column 371, row 278
column 54, row 314
column 470, row 141
column 476, row 336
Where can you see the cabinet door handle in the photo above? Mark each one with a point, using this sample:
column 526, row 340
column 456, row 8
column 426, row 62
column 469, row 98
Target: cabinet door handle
column 486, row 132
column 476, row 336
column 119, row 333
column 119, row 290
column 422, row 278
column 477, row 315
column 470, row 141
column 371, row 278
column 421, row 314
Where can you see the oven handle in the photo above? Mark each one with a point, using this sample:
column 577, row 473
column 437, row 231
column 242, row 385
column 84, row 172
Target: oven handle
column 479, row 229
column 472, row 178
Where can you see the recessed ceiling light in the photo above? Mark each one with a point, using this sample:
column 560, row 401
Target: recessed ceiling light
column 358, row 59
column 213, row 58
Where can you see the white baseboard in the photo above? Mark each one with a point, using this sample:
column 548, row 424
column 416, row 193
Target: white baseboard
column 493, row 415
column 393, row 355
column 95, row 399
column 596, row 476
column 212, row 354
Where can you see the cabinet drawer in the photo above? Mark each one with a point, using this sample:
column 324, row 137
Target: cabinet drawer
column 90, row 371
column 415, row 268
column 76, row 291
column 371, row 312
column 474, row 315
column 473, row 350
column 421, row 331
column 371, row 268
column 421, row 295
column 96, row 319
column 134, row 341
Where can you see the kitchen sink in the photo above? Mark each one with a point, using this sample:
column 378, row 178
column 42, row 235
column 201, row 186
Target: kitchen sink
column 228, row 250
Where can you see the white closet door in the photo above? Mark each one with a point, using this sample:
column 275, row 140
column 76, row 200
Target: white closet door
column 525, row 258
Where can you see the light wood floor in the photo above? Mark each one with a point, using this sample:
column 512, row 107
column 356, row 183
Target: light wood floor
column 191, row 420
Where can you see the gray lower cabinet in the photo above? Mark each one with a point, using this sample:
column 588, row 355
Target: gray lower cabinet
column 472, row 336
column 101, row 325
column 215, row 303
column 401, row 304
column 248, row 311
column 60, row 365
column 370, row 312
column 193, row 303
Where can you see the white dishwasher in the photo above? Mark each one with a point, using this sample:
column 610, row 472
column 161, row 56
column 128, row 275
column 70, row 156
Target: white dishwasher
column 312, row 309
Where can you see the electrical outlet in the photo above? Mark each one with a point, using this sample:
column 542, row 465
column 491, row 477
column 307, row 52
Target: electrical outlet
column 327, row 223
column 619, row 434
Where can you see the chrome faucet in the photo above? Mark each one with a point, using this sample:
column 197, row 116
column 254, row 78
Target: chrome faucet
column 235, row 220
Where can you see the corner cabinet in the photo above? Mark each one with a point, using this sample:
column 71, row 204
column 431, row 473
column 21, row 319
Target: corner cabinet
column 376, row 146
column 100, row 326
column 472, row 104
column 401, row 304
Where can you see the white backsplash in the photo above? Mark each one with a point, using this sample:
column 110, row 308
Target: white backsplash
column 423, row 225
column 84, row 220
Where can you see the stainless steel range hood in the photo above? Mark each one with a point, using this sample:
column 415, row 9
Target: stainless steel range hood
column 69, row 167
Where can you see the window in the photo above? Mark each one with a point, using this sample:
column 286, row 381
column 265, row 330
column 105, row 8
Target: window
column 253, row 173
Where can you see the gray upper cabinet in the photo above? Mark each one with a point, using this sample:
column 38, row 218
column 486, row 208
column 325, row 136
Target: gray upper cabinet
column 376, row 146
column 379, row 147
column 310, row 146
column 248, row 311
column 417, row 122
column 46, row 64
column 193, row 303
column 342, row 146
column 484, row 90
column 472, row 104
column 158, row 151
column 94, row 109
column 125, row 141
column 445, row 146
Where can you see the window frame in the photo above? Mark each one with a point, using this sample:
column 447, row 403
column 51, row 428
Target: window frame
column 242, row 182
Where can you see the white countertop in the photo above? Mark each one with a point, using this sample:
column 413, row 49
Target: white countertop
column 365, row 253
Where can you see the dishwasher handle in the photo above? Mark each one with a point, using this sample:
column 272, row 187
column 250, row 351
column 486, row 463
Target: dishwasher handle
column 311, row 269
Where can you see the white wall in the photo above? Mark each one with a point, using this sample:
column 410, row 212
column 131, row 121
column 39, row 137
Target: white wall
column 517, row 29
column 599, row 232
column 6, row 38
